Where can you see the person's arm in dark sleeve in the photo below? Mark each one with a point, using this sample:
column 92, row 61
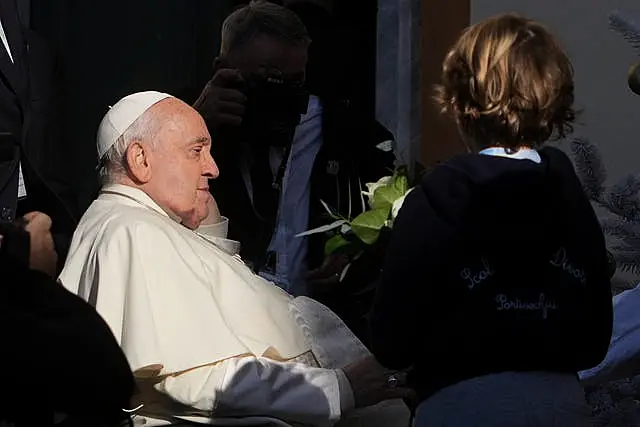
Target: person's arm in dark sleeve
column 14, row 245
column 598, row 316
column 593, row 331
column 56, row 345
column 407, row 297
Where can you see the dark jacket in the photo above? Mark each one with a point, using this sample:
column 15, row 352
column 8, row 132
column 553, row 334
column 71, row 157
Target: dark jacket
column 494, row 265
column 30, row 112
column 58, row 355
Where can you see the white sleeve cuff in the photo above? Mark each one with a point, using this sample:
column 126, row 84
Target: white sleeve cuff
column 347, row 401
column 219, row 229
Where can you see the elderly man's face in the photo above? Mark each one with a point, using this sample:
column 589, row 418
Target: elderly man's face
column 181, row 164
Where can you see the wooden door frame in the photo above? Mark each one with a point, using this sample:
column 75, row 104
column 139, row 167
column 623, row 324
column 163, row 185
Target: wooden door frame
column 441, row 24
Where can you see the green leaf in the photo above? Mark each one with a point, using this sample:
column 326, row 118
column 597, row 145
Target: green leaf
column 333, row 244
column 401, row 181
column 368, row 224
column 384, row 196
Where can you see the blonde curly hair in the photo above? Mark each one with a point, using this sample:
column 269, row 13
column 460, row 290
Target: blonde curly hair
column 508, row 82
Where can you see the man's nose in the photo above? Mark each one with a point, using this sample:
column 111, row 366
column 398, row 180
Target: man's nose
column 210, row 168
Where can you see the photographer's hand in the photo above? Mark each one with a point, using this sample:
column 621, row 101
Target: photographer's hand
column 220, row 103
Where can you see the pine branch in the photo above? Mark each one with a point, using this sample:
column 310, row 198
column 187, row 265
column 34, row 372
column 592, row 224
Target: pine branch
column 623, row 198
column 618, row 228
column 631, row 240
column 589, row 167
column 627, row 258
column 626, row 28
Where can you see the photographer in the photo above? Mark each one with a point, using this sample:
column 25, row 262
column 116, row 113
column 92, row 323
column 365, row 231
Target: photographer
column 60, row 360
column 282, row 150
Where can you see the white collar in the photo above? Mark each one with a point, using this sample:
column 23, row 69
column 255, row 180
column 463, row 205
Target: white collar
column 521, row 154
column 140, row 197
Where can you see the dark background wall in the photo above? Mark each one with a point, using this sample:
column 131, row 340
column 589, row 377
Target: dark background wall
column 357, row 23
column 115, row 47
column 110, row 48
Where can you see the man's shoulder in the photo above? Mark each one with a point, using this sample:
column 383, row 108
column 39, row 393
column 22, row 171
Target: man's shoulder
column 124, row 222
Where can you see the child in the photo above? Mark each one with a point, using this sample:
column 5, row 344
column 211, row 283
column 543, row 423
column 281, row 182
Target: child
column 496, row 290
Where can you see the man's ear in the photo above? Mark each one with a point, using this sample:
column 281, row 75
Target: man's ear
column 137, row 161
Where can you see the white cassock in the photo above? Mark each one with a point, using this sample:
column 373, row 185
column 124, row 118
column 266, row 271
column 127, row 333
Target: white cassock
column 208, row 332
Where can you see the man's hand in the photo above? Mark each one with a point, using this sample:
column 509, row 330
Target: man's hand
column 213, row 212
column 42, row 253
column 206, row 212
column 219, row 103
column 370, row 383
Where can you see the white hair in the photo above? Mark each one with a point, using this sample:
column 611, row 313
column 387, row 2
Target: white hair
column 114, row 163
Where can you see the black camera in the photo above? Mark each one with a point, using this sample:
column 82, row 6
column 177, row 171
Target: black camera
column 275, row 105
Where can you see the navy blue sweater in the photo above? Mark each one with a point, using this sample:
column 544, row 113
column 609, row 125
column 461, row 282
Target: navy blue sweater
column 495, row 264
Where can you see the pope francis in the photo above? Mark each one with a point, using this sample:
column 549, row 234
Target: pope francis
column 205, row 336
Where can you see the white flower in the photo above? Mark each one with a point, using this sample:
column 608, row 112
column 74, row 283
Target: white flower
column 395, row 208
column 373, row 186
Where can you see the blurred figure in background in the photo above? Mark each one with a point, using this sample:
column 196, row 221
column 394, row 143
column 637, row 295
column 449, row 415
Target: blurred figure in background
column 32, row 162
